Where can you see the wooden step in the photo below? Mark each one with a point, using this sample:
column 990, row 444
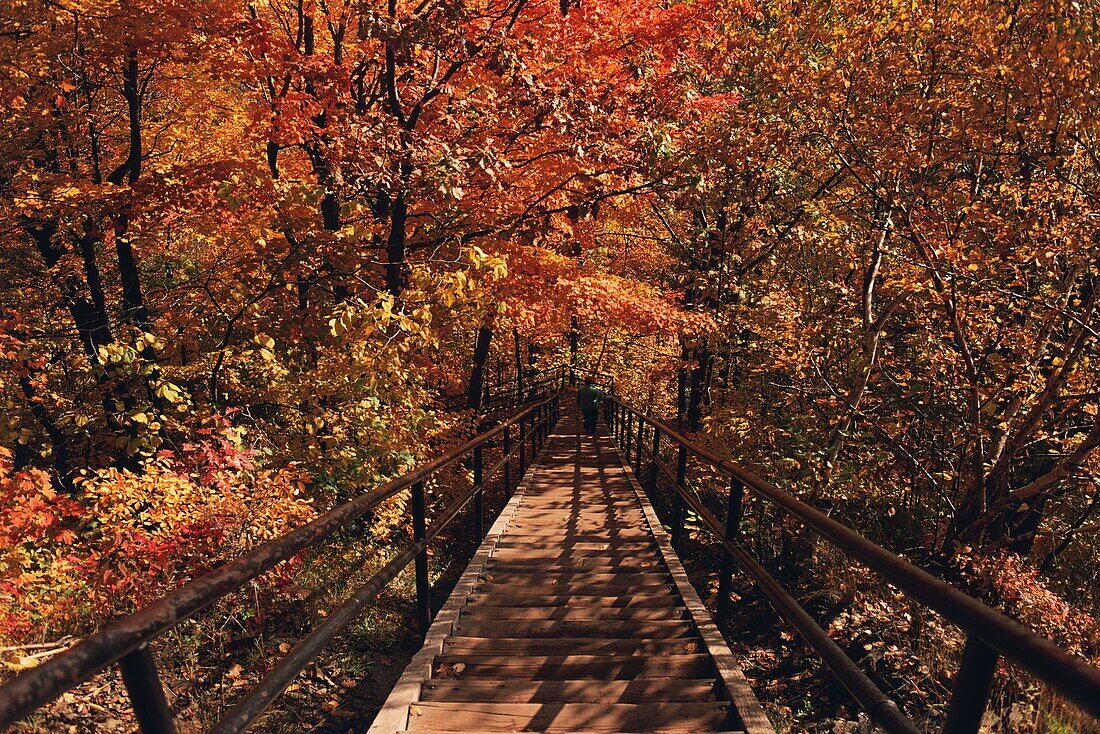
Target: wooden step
column 574, row 628
column 570, row 691
column 501, row 599
column 550, row 586
column 575, row 523
column 578, row 515
column 634, row 535
column 572, row 667
column 588, row 564
column 505, row 614
column 571, row 501
column 563, row 577
column 565, row 544
column 570, row 646
column 515, row 554
column 567, row 717
column 606, row 526
column 572, row 505
column 535, row 571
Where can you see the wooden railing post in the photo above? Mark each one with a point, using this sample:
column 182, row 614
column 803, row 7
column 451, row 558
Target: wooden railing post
column 423, row 589
column 734, row 513
column 654, row 457
column 678, row 499
column 638, row 448
column 522, row 448
column 973, row 682
column 139, row 673
column 479, row 495
column 629, row 433
column 507, row 462
column 540, row 419
column 533, row 433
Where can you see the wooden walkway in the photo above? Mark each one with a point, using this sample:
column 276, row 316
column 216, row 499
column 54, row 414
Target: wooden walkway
column 575, row 615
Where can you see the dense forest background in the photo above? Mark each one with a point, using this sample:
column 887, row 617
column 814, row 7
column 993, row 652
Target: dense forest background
column 252, row 250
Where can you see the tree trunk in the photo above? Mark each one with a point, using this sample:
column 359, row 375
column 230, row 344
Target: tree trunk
column 59, row 448
column 697, row 387
column 395, row 246
column 92, row 323
column 481, row 356
column 519, row 360
column 574, row 340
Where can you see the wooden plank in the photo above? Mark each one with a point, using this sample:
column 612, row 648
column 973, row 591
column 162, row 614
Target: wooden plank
column 602, row 584
column 550, row 557
column 569, row 589
column 502, row 599
column 571, row 667
column 567, row 717
column 574, row 628
column 570, row 691
column 503, row 614
column 572, row 567
column 569, row 645
column 618, row 535
column 577, row 576
column 551, row 543
column 557, row 574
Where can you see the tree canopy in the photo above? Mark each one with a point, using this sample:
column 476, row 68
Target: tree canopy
column 251, row 251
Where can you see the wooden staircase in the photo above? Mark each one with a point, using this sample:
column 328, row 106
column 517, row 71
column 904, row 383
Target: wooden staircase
column 575, row 615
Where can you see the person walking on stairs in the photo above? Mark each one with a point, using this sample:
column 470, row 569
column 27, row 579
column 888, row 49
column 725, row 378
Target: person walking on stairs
column 589, row 398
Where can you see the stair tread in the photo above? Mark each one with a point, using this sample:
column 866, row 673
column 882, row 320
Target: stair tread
column 575, row 628
column 578, row 645
column 504, row 614
column 497, row 690
column 572, row 667
column 567, row 717
column 514, row 599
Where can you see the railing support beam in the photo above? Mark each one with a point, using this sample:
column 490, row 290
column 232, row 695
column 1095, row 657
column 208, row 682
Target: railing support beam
column 629, row 438
column 734, row 513
column 479, row 496
column 973, row 683
column 522, row 447
column 678, row 499
column 653, row 458
column 423, row 587
column 139, row 673
column 507, row 462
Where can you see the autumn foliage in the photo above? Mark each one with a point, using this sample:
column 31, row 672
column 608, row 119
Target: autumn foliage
column 251, row 252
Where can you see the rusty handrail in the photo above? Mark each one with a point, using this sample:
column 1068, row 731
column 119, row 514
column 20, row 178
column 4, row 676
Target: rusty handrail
column 990, row 633
column 125, row 640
